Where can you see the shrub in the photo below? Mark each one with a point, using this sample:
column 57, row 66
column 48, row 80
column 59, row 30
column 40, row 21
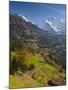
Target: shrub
column 16, row 64
column 31, row 67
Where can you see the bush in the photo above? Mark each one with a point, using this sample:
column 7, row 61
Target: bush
column 16, row 64
column 13, row 66
column 31, row 67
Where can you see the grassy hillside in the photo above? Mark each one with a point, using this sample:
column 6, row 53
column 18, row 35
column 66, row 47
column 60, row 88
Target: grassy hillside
column 39, row 75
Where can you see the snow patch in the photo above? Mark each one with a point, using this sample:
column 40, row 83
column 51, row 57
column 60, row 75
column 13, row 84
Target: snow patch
column 23, row 17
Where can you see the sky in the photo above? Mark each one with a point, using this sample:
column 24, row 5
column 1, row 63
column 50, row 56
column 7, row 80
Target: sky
column 37, row 12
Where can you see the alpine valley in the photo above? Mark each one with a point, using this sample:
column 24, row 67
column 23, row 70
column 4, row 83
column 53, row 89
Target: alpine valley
column 37, row 55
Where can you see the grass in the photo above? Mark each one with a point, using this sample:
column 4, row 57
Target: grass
column 16, row 82
column 25, row 82
column 49, row 67
column 34, row 59
column 45, row 69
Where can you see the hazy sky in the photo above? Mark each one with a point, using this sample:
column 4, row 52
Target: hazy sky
column 37, row 12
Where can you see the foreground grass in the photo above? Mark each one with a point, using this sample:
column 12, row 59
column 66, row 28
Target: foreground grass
column 43, row 73
column 23, row 82
column 16, row 82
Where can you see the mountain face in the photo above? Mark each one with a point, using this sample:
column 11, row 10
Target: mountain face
column 22, row 28
column 54, row 25
column 49, row 28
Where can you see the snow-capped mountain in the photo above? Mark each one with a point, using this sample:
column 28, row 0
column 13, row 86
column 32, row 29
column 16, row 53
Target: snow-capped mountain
column 53, row 24
column 23, row 17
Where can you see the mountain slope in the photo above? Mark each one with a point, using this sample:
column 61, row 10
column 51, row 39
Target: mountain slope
column 22, row 28
column 36, row 54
